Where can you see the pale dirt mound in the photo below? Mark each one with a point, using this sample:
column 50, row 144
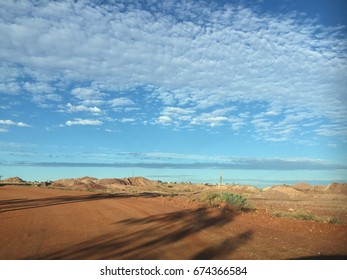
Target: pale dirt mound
column 83, row 183
column 94, row 183
column 304, row 187
column 66, row 183
column 111, row 182
column 131, row 181
column 337, row 188
column 14, row 180
column 284, row 190
column 309, row 189
column 140, row 182
column 87, row 179
column 244, row 189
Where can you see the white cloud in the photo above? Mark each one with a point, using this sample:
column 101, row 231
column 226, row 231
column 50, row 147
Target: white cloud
column 332, row 130
column 87, row 93
column 127, row 120
column 45, row 100
column 42, row 93
column 82, row 108
column 271, row 113
column 78, row 121
column 131, row 109
column 38, row 87
column 210, row 120
column 9, row 88
column 176, row 111
column 164, row 120
column 186, row 117
column 220, row 117
column 93, row 102
column 121, row 102
column 10, row 122
column 178, row 114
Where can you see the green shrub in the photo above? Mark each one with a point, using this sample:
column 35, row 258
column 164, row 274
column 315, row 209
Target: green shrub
column 304, row 216
column 297, row 216
column 333, row 220
column 235, row 200
column 214, row 199
column 210, row 198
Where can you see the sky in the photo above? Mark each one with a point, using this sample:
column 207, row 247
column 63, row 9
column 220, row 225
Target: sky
column 174, row 89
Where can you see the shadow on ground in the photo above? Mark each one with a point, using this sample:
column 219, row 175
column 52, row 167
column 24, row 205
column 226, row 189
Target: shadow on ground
column 165, row 236
column 22, row 204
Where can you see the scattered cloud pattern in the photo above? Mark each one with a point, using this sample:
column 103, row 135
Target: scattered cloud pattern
column 180, row 65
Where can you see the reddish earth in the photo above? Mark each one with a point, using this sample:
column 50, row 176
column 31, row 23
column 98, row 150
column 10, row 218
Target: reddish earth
column 39, row 223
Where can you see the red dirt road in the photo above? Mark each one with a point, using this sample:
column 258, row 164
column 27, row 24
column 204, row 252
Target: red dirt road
column 41, row 223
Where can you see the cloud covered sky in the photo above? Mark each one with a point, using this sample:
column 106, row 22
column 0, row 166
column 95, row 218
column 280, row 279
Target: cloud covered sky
column 232, row 84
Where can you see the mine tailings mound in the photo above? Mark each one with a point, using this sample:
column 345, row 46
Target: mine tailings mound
column 302, row 187
column 337, row 188
column 286, row 190
column 14, row 180
column 84, row 183
column 139, row 181
column 94, row 183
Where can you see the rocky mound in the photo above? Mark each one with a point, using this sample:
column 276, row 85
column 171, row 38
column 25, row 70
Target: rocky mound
column 140, row 182
column 309, row 189
column 66, row 183
column 302, row 187
column 84, row 183
column 244, row 189
column 111, row 182
column 94, row 183
column 284, row 190
column 337, row 188
column 14, row 180
column 87, row 179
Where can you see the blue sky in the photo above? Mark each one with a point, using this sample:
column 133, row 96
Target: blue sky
column 173, row 88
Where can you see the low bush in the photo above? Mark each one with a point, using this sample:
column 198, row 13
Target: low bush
column 235, row 200
column 307, row 217
column 333, row 220
column 210, row 198
column 214, row 199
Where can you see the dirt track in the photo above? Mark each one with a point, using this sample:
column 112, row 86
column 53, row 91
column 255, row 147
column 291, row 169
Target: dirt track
column 41, row 223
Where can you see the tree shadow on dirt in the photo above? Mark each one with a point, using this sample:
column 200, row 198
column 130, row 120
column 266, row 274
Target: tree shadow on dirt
column 22, row 204
column 165, row 236
column 225, row 247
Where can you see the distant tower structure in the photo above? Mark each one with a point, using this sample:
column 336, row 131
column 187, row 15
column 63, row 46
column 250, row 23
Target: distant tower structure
column 221, row 178
column 220, row 181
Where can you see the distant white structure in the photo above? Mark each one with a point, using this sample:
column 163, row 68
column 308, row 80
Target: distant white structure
column 221, row 178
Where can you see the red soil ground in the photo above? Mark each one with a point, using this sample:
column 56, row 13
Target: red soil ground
column 39, row 223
